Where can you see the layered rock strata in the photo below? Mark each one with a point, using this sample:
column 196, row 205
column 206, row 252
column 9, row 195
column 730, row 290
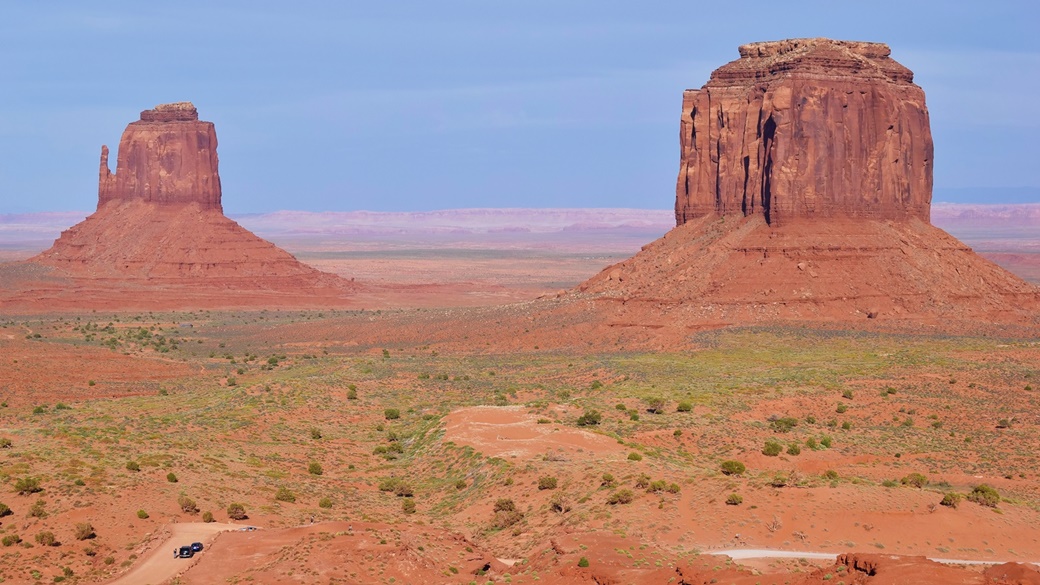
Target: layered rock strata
column 806, row 128
column 169, row 156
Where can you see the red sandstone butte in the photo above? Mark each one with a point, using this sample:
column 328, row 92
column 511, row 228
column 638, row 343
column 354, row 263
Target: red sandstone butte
column 160, row 240
column 168, row 156
column 806, row 128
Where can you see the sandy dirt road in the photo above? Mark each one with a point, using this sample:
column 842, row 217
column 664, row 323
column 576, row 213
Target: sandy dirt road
column 160, row 565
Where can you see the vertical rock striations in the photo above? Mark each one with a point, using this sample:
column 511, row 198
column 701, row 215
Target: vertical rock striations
column 167, row 157
column 806, row 128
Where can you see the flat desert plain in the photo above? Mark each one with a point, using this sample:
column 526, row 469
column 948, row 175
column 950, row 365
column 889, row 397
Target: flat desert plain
column 365, row 449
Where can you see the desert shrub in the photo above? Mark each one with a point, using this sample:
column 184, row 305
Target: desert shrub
column 37, row 510
column 810, row 419
column 5, row 443
column 812, row 444
column 133, row 466
column 847, row 394
column 633, row 456
column 735, row 500
column 779, row 480
column 408, row 506
column 583, row 562
column 46, row 538
column 621, row 407
column 392, row 414
column 846, row 426
column 830, row 474
column 171, row 477
column 325, row 502
column 621, row 497
column 684, row 407
column 915, row 479
column 731, row 467
column 673, row 488
column 951, row 499
column 207, row 516
column 783, row 424
column 657, row 486
column 654, row 404
column 187, row 505
column 889, row 483
column 5, row 510
column 389, row 484
column 590, row 418
column 633, row 415
column 826, row 442
column 608, row 481
column 547, row 482
column 27, row 485
column 460, row 484
column 352, row 392
column 11, row 540
column 315, row 468
column 506, row 519
column 504, row 505
column 677, row 433
column 142, row 514
column 841, row 408
column 379, row 450
column 558, row 503
column 643, row 481
column 1003, row 423
column 284, row 494
column 772, row 449
column 315, row 433
column 236, row 511
column 231, row 381
column 404, row 490
column 84, row 531
column 595, row 385
column 984, row 495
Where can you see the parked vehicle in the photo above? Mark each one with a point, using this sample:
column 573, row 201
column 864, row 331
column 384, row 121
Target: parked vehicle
column 185, row 552
column 196, row 546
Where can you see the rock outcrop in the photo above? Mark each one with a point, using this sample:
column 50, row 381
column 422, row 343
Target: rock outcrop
column 806, row 128
column 804, row 194
column 160, row 239
column 169, row 156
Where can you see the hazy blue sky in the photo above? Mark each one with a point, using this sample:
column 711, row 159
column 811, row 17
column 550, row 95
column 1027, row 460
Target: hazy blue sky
column 425, row 104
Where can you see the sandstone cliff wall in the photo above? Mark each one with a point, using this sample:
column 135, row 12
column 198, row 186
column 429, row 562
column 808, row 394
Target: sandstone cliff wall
column 168, row 157
column 806, row 128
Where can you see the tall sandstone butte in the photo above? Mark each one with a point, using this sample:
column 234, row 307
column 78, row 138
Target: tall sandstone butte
column 168, row 156
column 804, row 194
column 806, row 128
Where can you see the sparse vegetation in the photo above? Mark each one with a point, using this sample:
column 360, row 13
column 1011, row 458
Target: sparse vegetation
column 734, row 500
column 284, row 494
column 236, row 511
column 984, row 495
column 621, row 497
column 731, row 467
column 772, row 448
column 187, row 505
column 546, row 482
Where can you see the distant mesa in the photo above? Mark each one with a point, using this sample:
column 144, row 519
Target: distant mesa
column 804, row 192
column 159, row 237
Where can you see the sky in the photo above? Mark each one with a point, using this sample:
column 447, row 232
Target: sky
column 416, row 105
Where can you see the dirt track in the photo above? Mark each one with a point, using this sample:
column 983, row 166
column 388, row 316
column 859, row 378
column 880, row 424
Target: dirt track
column 160, row 564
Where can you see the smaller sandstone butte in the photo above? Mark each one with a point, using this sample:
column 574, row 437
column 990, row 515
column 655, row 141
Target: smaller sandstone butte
column 168, row 156
column 160, row 239
column 806, row 128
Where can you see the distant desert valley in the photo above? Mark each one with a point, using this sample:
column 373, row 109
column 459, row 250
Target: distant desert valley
column 807, row 372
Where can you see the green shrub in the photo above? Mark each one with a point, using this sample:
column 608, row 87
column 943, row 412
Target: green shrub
column 673, row 488
column 841, row 408
column 583, row 562
column 46, row 538
column 735, row 500
column 37, row 510
column 847, row 394
column 779, row 480
column 812, row 444
column 325, row 502
column 133, row 466
column 171, row 477
column 404, row 490
column 830, row 474
column 608, row 481
column 27, row 485
column 846, row 426
column 654, row 404
column 352, row 392
column 236, row 511
column 772, row 449
column 657, row 486
column 642, row 481
column 984, row 495
column 731, row 467
column 504, row 505
column 889, row 483
column 826, row 442
column 315, row 433
column 315, row 468
column 620, row 406
column 547, row 482
column 5, row 510
column 621, row 497
column 11, row 540
column 784, row 424
column 187, row 505
column 284, row 494
column 684, row 407
column 142, row 514
column 633, row 456
column 84, row 531
column 392, row 414
column 915, row 479
column 794, row 449
column 951, row 499
column 633, row 415
column 590, row 418
column 460, row 484
column 5, row 443
column 408, row 506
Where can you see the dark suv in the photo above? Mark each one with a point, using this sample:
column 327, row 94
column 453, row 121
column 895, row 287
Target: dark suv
column 196, row 546
column 185, row 552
